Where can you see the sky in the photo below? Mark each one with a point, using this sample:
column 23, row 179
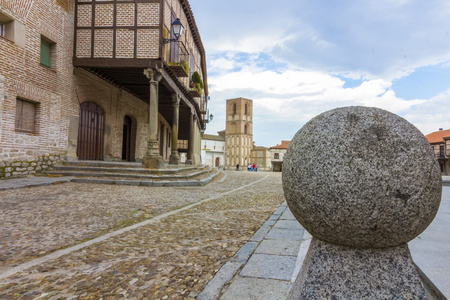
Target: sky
column 298, row 58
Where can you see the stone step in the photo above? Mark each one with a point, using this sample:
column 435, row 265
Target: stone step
column 123, row 167
column 156, row 183
column 137, row 174
column 100, row 163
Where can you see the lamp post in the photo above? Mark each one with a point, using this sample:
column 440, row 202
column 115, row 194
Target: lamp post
column 177, row 28
column 209, row 118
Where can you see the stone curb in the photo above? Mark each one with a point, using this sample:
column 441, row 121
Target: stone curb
column 17, row 183
column 228, row 271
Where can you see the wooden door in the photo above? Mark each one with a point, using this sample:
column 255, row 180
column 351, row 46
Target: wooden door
column 217, row 162
column 126, row 141
column 90, row 132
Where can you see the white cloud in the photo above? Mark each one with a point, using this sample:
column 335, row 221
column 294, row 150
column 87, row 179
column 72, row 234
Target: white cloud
column 432, row 114
column 297, row 96
column 291, row 59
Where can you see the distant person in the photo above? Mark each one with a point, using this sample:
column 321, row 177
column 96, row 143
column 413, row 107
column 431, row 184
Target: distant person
column 249, row 167
column 237, row 167
column 253, row 167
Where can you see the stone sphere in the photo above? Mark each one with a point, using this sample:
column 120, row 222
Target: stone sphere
column 362, row 177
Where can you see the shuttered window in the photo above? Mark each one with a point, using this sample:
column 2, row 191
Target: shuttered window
column 46, row 52
column 25, row 115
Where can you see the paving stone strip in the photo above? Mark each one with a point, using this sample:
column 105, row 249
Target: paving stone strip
column 8, row 272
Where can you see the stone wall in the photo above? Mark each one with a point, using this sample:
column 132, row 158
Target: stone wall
column 23, row 167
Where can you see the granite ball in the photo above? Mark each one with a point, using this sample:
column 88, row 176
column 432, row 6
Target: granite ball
column 362, row 177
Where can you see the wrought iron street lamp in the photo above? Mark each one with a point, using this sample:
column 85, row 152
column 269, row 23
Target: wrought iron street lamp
column 177, row 28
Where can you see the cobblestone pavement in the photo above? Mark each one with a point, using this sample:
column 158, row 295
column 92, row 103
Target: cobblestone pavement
column 172, row 258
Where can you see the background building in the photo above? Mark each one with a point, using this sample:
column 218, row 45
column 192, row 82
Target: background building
column 213, row 150
column 277, row 155
column 261, row 157
column 440, row 141
column 239, row 131
column 99, row 80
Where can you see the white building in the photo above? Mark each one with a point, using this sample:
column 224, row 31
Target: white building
column 277, row 155
column 213, row 150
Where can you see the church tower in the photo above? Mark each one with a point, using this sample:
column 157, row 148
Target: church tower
column 239, row 132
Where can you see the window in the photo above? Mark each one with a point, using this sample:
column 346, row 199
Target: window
column 276, row 155
column 12, row 30
column 25, row 115
column 246, row 109
column 5, row 25
column 182, row 144
column 2, row 29
column 245, row 128
column 47, row 49
column 234, row 108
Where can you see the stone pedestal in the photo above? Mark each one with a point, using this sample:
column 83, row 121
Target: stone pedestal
column 363, row 182
column 152, row 160
column 339, row 272
column 174, row 158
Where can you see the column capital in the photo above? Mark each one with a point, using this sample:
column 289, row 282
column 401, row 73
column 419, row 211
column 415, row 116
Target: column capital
column 153, row 75
column 176, row 98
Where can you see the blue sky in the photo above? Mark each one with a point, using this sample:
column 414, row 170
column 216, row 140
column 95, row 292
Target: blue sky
column 298, row 58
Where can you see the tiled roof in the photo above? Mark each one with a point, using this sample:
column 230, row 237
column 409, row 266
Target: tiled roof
column 438, row 136
column 284, row 145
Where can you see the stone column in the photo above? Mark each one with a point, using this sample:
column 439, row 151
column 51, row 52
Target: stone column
column 152, row 159
column 190, row 153
column 175, row 156
column 351, row 182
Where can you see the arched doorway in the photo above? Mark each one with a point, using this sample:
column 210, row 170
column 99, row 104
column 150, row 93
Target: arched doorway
column 90, row 132
column 217, row 164
column 126, row 138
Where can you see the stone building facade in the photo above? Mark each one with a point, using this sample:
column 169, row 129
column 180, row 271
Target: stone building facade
column 440, row 142
column 277, row 155
column 260, row 156
column 99, row 80
column 213, row 150
column 239, row 131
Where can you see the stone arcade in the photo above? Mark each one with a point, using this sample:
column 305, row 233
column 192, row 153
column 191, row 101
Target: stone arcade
column 99, row 80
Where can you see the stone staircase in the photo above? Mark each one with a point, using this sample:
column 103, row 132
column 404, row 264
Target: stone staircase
column 132, row 173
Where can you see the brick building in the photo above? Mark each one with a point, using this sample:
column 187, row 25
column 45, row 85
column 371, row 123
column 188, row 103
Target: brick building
column 99, row 80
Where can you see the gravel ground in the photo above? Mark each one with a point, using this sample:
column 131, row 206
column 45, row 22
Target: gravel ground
column 169, row 259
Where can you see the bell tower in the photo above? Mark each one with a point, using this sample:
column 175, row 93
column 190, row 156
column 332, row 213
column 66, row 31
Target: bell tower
column 239, row 132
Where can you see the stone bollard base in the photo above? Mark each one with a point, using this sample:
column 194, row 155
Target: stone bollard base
column 338, row 272
column 153, row 162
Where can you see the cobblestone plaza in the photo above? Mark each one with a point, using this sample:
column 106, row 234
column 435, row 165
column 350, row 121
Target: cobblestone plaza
column 173, row 256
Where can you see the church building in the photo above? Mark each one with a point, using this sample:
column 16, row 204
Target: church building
column 239, row 132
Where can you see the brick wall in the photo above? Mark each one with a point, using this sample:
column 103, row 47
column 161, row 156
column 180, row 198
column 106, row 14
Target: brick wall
column 58, row 91
column 23, row 77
